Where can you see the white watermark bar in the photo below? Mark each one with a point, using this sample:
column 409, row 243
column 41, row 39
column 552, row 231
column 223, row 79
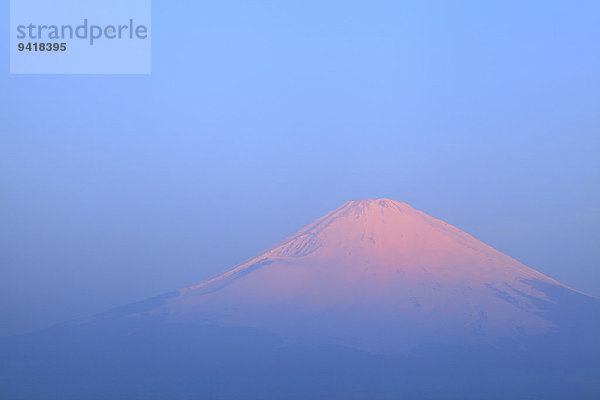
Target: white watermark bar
column 80, row 37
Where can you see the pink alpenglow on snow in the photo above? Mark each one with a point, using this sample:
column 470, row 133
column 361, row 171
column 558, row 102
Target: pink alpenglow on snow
column 377, row 275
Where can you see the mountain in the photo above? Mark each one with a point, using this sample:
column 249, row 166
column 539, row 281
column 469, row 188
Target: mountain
column 375, row 300
column 376, row 275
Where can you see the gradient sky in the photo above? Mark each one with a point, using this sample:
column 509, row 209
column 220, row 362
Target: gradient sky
column 260, row 116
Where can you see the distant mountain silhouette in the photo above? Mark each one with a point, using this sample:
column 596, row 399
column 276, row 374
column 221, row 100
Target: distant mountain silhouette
column 373, row 300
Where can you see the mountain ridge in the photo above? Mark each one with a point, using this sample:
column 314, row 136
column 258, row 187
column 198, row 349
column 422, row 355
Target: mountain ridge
column 365, row 302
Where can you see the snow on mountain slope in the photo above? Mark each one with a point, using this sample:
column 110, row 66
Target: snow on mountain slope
column 376, row 275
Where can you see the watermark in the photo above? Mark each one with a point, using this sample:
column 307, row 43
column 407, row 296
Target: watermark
column 80, row 37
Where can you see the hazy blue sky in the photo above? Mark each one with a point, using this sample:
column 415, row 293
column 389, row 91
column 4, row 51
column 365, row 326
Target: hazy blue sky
column 260, row 116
